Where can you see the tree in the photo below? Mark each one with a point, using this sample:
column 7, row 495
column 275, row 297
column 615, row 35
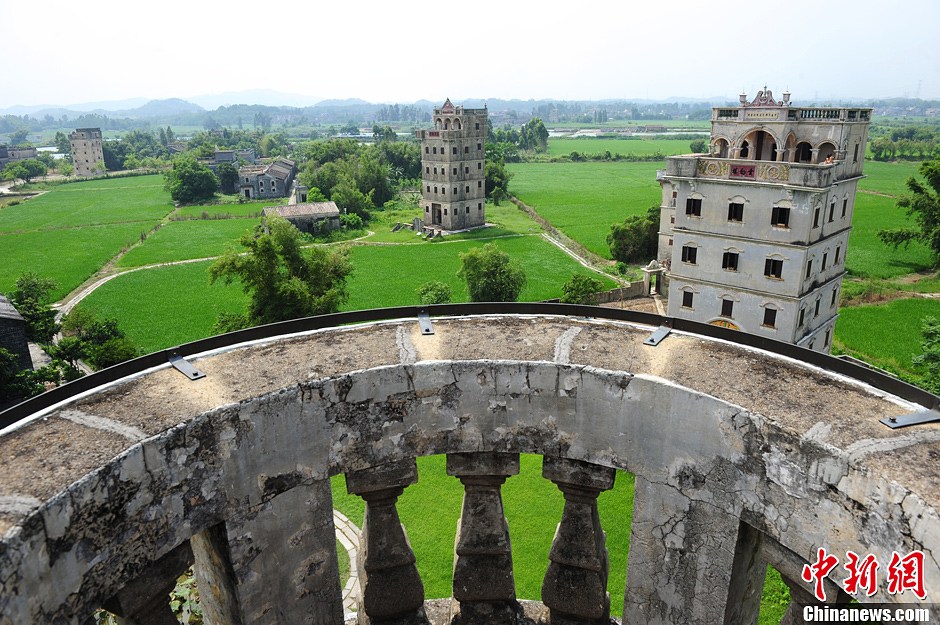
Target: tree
column 434, row 293
column 189, row 181
column 534, row 135
column 14, row 385
column 350, row 199
column 496, row 181
column 930, row 359
column 637, row 238
column 284, row 280
column 228, row 178
column 924, row 206
column 25, row 170
column 30, row 296
column 18, row 136
column 490, row 276
column 581, row 289
column 699, row 146
column 66, row 168
column 62, row 144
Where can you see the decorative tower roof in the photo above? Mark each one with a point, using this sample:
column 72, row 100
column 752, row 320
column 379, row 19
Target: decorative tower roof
column 448, row 107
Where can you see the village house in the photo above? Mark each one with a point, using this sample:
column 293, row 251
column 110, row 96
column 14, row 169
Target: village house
column 308, row 216
column 266, row 181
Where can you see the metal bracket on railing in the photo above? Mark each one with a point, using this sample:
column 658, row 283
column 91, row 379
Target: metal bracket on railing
column 656, row 337
column 424, row 320
column 183, row 366
column 915, row 418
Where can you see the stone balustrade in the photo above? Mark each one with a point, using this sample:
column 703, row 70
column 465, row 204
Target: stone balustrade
column 741, row 457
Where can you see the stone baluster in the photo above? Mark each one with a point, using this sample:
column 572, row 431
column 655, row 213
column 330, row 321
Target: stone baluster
column 484, row 587
column 392, row 591
column 575, row 585
column 146, row 600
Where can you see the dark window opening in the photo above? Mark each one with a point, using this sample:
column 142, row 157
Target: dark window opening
column 735, row 212
column 693, row 206
column 727, row 307
column 770, row 317
column 687, row 299
column 809, row 267
column 838, row 252
column 845, row 205
column 834, row 293
column 454, row 151
column 689, row 254
column 825, row 258
column 802, row 316
column 855, row 156
column 832, row 211
column 816, row 218
column 780, row 216
column 773, row 268
column 816, row 310
column 729, row 261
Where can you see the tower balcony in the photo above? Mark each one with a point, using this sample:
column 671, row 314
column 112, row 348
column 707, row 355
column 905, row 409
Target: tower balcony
column 745, row 452
column 814, row 176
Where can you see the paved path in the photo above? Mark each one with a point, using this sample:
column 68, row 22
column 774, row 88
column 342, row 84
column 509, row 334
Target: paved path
column 348, row 536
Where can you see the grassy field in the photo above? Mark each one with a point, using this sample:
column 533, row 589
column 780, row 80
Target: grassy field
column 67, row 256
column 94, row 202
column 889, row 178
column 388, row 275
column 184, row 240
column 160, row 308
column 584, row 199
column 867, row 256
column 559, row 146
column 870, row 332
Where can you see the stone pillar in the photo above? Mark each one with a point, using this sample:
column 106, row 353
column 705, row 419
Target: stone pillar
column 801, row 596
column 274, row 564
column 575, row 585
column 146, row 600
column 690, row 561
column 484, row 587
column 814, row 156
column 392, row 591
column 780, row 155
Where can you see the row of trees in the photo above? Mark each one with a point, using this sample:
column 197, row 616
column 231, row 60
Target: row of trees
column 97, row 342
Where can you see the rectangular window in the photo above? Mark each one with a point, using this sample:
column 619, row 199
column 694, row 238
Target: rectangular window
column 816, row 218
column 689, row 254
column 855, row 156
column 845, row 205
column 809, row 268
column 729, row 261
column 467, row 189
column 838, row 252
column 477, row 127
column 687, row 299
column 693, row 206
column 770, row 317
column 735, row 212
column 727, row 307
column 802, row 316
column 466, row 170
column 468, row 210
column 479, row 206
column 773, row 268
column 479, row 165
column 832, row 211
column 479, row 184
column 834, row 293
column 435, row 150
column 426, row 149
column 826, row 344
column 435, row 171
column 816, row 311
column 780, row 216
column 445, row 211
column 455, row 171
column 429, row 188
column 479, row 146
column 455, row 190
column 825, row 258
column 454, row 151
column 427, row 170
column 466, row 149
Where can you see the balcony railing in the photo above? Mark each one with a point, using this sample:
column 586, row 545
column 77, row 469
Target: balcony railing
column 116, row 485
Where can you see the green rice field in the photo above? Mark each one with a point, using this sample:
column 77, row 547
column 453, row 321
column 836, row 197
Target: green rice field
column 184, row 240
column 562, row 146
column 584, row 199
column 867, row 256
column 871, row 332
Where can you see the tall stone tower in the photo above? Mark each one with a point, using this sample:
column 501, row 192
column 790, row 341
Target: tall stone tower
column 453, row 188
column 756, row 231
column 87, row 153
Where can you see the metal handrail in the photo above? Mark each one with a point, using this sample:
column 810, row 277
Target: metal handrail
column 67, row 391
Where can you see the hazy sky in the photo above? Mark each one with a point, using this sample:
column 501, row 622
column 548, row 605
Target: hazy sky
column 66, row 52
